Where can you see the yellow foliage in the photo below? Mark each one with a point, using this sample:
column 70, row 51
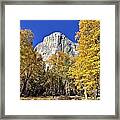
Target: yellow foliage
column 86, row 69
column 31, row 64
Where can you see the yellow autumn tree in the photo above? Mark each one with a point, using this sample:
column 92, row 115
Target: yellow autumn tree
column 60, row 63
column 31, row 65
column 86, row 69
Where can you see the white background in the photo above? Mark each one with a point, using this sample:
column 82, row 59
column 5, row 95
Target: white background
column 13, row 15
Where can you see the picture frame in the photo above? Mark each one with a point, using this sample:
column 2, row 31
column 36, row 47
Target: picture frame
column 2, row 60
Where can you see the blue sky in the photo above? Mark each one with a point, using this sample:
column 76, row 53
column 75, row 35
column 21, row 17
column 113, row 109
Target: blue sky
column 42, row 28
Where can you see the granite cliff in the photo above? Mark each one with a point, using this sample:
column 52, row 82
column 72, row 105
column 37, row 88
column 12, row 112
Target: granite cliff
column 55, row 42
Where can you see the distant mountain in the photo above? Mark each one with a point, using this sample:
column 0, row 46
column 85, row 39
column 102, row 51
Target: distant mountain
column 56, row 42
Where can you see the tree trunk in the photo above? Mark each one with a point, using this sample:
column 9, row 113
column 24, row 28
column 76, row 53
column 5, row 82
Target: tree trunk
column 24, row 88
column 85, row 92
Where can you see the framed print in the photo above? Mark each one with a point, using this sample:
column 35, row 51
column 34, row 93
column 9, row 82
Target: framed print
column 60, row 59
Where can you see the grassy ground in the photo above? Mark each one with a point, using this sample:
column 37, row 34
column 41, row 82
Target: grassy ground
column 57, row 98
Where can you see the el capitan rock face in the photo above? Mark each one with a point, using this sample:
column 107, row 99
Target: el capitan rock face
column 56, row 42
